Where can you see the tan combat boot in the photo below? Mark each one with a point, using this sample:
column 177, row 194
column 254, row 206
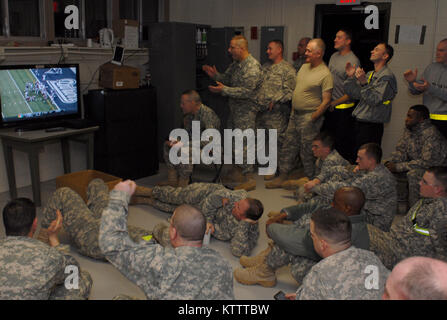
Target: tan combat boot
column 277, row 182
column 296, row 174
column 269, row 177
column 183, row 182
column 255, row 260
column 261, row 274
column 249, row 184
column 141, row 191
column 294, row 184
column 172, row 179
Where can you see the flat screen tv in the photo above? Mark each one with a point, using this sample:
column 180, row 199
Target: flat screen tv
column 39, row 95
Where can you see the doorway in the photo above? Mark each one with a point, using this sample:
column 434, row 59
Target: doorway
column 329, row 18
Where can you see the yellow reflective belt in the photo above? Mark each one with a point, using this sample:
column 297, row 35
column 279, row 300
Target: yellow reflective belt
column 147, row 238
column 442, row 117
column 416, row 228
column 345, row 106
column 385, row 102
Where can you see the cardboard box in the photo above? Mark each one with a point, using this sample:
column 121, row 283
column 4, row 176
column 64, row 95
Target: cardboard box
column 128, row 31
column 78, row 181
column 113, row 76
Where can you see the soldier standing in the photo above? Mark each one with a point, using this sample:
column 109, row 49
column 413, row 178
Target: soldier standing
column 301, row 59
column 433, row 86
column 275, row 94
column 311, row 97
column 240, row 83
column 338, row 119
column 376, row 91
column 190, row 271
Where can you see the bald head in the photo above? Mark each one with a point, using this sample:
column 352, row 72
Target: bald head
column 241, row 42
column 319, row 45
column 189, row 222
column 417, row 278
column 350, row 200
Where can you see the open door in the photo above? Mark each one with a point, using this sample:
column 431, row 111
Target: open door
column 329, row 18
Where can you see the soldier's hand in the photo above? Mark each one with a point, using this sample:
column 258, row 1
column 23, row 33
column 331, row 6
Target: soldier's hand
column 361, row 76
column 271, row 104
column 216, row 89
column 250, row 221
column 209, row 227
column 391, row 166
column 422, row 87
column 411, row 75
column 291, row 296
column 210, row 71
column 350, row 69
column 56, row 224
column 127, row 186
column 225, row 201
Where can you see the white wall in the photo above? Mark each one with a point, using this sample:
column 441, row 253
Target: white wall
column 51, row 164
column 298, row 18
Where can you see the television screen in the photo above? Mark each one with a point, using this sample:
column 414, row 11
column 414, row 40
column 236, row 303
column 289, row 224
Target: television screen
column 31, row 94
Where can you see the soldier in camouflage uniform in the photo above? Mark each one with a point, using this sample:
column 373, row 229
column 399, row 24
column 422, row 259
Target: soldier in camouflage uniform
column 327, row 157
column 311, row 97
column 185, row 272
column 420, row 147
column 275, row 94
column 423, row 231
column 80, row 220
column 293, row 243
column 232, row 214
column 373, row 178
column 343, row 273
column 240, row 83
column 193, row 110
column 32, row 270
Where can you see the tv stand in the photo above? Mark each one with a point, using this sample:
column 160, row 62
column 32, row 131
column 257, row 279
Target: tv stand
column 40, row 126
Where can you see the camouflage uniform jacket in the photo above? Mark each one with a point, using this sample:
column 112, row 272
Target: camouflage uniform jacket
column 279, row 81
column 30, row 269
column 208, row 120
column 420, row 148
column 243, row 235
column 428, row 214
column 373, row 105
column 183, row 273
column 242, row 80
column 379, row 187
column 322, row 170
column 343, row 276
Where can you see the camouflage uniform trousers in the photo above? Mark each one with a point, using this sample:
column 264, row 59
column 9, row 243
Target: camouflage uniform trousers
column 298, row 138
column 299, row 265
column 168, row 198
column 82, row 221
column 389, row 251
column 183, row 170
column 278, row 119
column 408, row 185
column 243, row 117
column 82, row 293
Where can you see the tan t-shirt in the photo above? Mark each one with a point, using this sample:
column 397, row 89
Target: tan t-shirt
column 310, row 85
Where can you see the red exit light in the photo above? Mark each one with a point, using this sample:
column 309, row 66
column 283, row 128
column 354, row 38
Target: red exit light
column 347, row 2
